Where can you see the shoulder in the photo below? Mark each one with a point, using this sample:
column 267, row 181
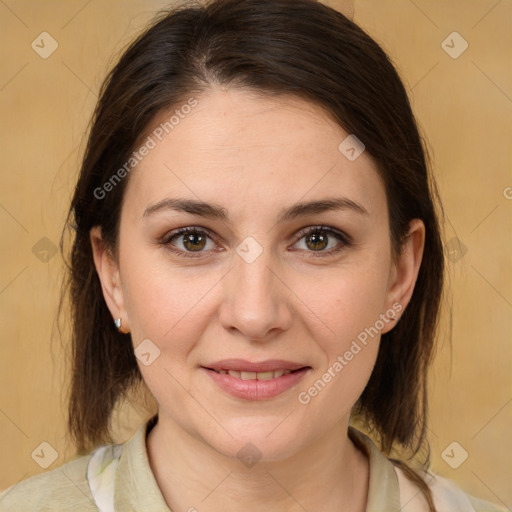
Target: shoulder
column 447, row 496
column 64, row 488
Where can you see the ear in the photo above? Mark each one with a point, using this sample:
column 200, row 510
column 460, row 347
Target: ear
column 108, row 273
column 404, row 272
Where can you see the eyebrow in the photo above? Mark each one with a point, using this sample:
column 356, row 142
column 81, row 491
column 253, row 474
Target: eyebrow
column 215, row 211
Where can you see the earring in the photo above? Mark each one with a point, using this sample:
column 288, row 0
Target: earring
column 118, row 323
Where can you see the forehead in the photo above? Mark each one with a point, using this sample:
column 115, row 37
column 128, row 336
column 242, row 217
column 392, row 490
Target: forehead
column 251, row 152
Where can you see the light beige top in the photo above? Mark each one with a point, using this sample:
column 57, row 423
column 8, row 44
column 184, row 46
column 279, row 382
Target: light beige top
column 121, row 475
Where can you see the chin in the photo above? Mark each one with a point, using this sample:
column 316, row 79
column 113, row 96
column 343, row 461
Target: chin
column 256, row 439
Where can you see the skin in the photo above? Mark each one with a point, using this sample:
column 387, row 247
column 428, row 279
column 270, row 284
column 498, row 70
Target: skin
column 255, row 156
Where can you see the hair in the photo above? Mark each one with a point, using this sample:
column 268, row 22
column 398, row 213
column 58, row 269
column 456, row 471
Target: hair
column 301, row 48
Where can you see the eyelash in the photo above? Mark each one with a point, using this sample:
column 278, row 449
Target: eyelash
column 345, row 240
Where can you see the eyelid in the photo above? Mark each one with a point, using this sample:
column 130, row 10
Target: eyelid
column 345, row 241
column 187, row 229
column 344, row 238
column 333, row 231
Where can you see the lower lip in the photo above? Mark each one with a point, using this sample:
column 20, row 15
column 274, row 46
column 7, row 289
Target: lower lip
column 256, row 389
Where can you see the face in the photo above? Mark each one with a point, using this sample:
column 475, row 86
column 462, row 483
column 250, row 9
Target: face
column 257, row 284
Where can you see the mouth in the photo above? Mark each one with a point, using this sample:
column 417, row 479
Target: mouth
column 247, row 370
column 270, row 375
column 255, row 381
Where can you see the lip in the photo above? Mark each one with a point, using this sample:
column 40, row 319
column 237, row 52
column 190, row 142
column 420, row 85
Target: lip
column 247, row 366
column 257, row 389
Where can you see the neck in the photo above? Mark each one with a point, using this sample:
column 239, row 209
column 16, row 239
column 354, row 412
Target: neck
column 330, row 474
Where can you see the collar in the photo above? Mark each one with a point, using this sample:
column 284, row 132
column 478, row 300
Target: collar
column 383, row 489
column 136, row 487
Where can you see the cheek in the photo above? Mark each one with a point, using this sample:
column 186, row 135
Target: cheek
column 347, row 304
column 343, row 302
column 349, row 343
column 166, row 303
column 171, row 308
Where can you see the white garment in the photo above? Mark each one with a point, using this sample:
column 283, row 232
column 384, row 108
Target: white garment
column 101, row 475
column 446, row 495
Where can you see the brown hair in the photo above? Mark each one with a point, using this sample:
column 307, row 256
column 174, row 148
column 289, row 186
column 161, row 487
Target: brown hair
column 298, row 47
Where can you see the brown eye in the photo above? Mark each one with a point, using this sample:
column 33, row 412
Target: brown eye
column 189, row 240
column 321, row 241
column 317, row 241
column 194, row 241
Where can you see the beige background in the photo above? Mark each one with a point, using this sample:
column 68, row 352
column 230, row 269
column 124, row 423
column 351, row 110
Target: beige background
column 464, row 106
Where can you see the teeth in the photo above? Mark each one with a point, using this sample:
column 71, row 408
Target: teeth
column 264, row 375
column 255, row 375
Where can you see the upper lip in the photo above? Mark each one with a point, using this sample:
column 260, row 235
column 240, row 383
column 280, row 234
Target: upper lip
column 247, row 366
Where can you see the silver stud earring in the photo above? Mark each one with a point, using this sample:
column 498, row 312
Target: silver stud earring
column 118, row 323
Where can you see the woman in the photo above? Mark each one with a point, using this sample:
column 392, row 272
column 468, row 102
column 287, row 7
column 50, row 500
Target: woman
column 256, row 241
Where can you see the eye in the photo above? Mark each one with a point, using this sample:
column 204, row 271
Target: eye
column 319, row 238
column 189, row 240
column 192, row 242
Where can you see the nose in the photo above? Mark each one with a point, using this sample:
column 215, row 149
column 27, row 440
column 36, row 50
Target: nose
column 255, row 300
